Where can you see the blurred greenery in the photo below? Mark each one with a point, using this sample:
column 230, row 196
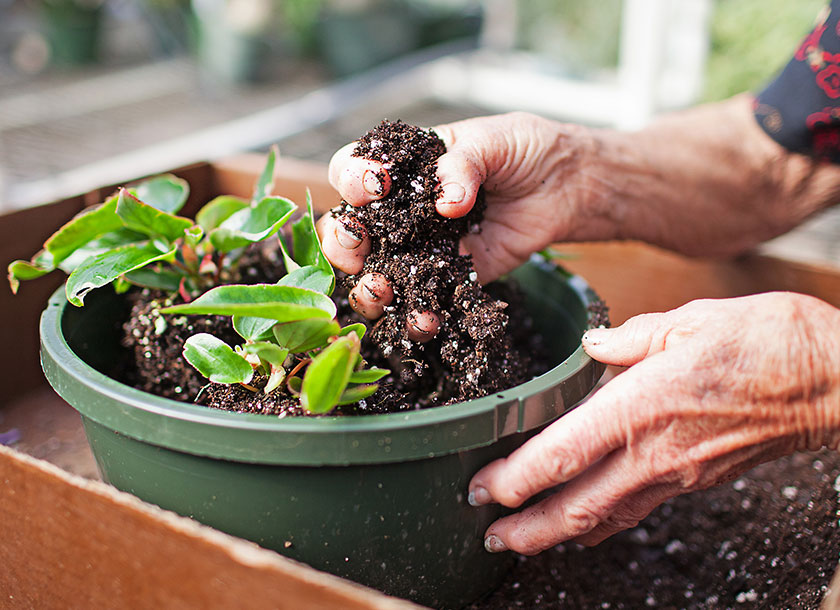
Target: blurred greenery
column 579, row 36
column 752, row 40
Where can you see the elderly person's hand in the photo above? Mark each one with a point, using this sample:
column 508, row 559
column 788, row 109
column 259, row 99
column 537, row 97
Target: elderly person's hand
column 714, row 388
column 537, row 193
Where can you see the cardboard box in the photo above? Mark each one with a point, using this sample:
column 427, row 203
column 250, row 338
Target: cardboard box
column 69, row 540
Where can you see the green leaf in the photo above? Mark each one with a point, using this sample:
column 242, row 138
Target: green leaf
column 95, row 247
column 193, row 235
column 288, row 261
column 214, row 213
column 270, row 352
column 280, row 303
column 327, row 375
column 108, row 266
column 150, row 221
column 85, row 226
column 309, row 277
column 166, row 193
column 306, row 246
column 253, row 329
column 24, row 270
column 305, row 335
column 266, row 179
column 358, row 328
column 162, row 279
column 252, row 224
column 216, row 360
column 356, row 393
column 368, row 375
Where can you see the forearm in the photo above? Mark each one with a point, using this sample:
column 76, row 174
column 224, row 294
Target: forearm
column 707, row 181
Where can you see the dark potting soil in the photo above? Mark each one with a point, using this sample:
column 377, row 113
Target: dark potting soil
column 769, row 539
column 485, row 344
column 474, row 353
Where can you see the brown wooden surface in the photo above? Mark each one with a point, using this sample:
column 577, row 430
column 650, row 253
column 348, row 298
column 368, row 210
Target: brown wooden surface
column 68, row 542
column 635, row 278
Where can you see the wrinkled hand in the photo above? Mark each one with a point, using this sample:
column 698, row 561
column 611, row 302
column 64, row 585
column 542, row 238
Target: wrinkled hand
column 714, row 388
column 536, row 186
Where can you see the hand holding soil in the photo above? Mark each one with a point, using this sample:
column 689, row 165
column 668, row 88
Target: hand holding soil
column 527, row 166
column 713, row 389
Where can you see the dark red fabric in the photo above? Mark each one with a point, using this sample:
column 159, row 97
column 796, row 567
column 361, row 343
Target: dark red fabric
column 800, row 109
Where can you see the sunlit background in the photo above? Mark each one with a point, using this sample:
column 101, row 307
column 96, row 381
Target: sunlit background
column 98, row 91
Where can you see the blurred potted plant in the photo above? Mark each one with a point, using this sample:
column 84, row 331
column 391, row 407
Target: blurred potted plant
column 230, row 37
column 73, row 29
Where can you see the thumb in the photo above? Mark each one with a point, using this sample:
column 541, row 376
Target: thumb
column 639, row 337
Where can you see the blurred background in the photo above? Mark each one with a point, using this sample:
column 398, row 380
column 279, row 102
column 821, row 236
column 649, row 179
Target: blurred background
column 99, row 91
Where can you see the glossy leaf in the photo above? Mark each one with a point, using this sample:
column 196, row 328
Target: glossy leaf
column 306, row 245
column 270, row 352
column 358, row 328
column 309, row 277
column 167, row 193
column 368, row 375
column 266, row 179
column 253, row 329
column 103, row 243
column 108, row 266
column 305, row 335
column 252, row 224
column 24, row 270
column 148, row 220
column 214, row 213
column 288, row 261
column 161, row 279
column 327, row 376
column 216, row 360
column 280, row 303
column 84, row 227
column 356, row 393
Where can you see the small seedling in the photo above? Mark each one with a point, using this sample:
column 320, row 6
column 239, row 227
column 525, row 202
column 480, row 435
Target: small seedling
column 136, row 238
column 289, row 330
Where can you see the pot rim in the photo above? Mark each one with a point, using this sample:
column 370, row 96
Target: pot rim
column 337, row 440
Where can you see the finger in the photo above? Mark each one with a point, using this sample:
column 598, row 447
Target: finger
column 574, row 511
column 560, row 452
column 422, row 326
column 359, row 181
column 638, row 338
column 371, row 295
column 629, row 513
column 345, row 242
column 460, row 178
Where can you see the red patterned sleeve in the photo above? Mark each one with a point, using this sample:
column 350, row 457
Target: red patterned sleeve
column 800, row 109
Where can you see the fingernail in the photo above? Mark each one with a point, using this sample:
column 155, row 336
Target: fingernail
column 494, row 544
column 451, row 193
column 345, row 238
column 372, row 184
column 479, row 497
column 595, row 336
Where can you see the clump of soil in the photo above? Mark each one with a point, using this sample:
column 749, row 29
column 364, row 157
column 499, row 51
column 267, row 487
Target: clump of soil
column 769, row 539
column 474, row 353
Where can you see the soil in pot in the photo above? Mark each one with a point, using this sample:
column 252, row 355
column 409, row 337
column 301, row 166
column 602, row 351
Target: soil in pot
column 484, row 343
column 766, row 540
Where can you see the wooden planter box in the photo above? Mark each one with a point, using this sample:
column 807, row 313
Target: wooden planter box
column 67, row 539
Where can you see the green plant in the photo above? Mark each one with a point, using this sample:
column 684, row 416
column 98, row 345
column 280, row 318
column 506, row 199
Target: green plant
column 289, row 330
column 136, row 238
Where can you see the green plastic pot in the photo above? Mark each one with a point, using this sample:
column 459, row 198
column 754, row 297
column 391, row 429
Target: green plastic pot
column 378, row 499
